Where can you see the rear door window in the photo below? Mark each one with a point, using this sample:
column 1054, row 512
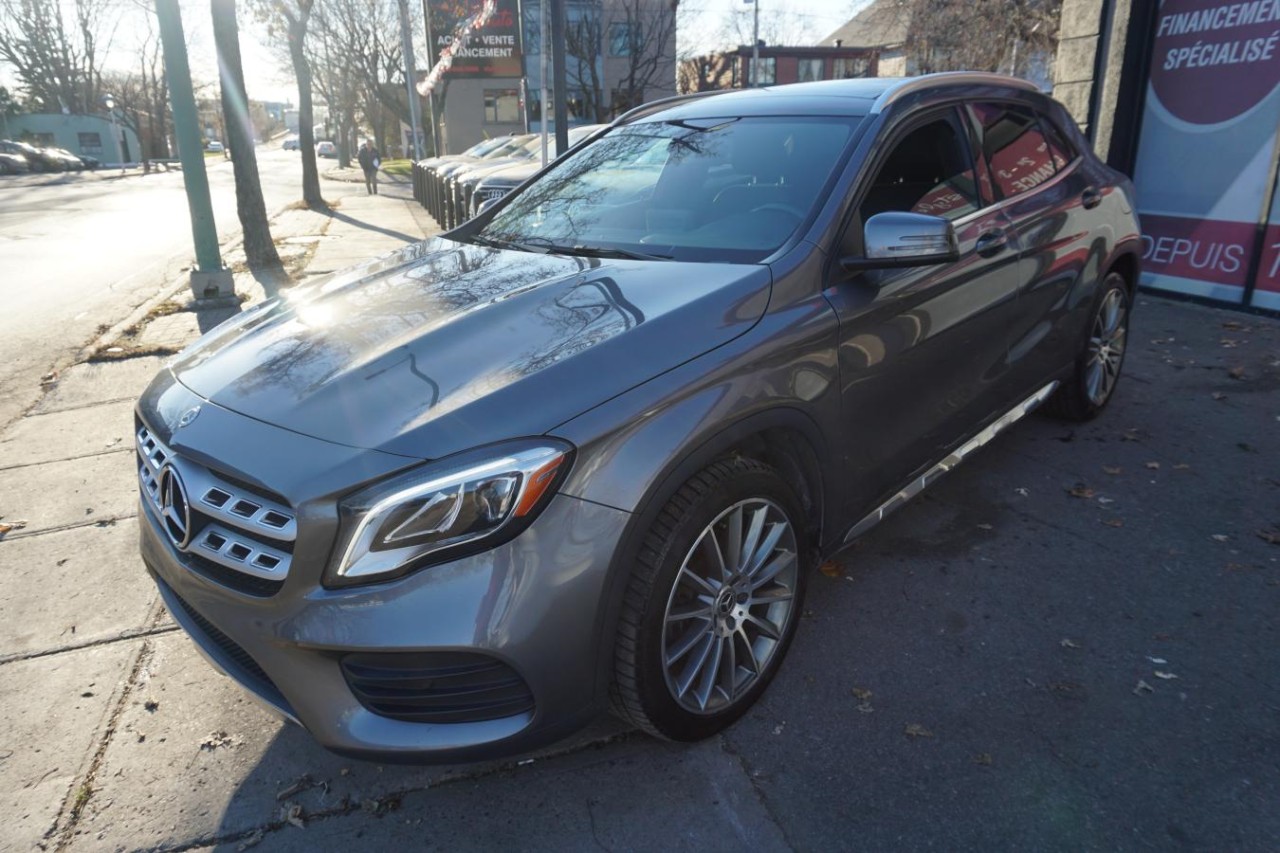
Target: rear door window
column 1014, row 146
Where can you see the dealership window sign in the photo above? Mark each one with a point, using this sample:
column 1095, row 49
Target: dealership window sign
column 1208, row 148
column 474, row 38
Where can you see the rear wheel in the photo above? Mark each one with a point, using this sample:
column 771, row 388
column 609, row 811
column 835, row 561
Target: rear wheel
column 1090, row 387
column 713, row 602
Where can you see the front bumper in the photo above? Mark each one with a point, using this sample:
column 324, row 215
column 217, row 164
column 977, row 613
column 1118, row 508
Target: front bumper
column 534, row 604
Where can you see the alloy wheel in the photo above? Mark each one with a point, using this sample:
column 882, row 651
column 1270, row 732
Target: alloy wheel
column 1106, row 346
column 730, row 606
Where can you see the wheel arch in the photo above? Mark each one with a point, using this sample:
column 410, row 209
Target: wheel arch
column 783, row 437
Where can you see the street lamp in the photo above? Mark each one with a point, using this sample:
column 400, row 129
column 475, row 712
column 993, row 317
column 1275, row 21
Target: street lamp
column 109, row 101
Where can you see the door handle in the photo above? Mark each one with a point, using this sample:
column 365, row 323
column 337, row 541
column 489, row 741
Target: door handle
column 1091, row 198
column 991, row 242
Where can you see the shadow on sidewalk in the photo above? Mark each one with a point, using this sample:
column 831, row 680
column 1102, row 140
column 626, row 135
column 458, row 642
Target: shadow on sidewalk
column 358, row 223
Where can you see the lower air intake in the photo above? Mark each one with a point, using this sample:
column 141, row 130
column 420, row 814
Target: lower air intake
column 436, row 687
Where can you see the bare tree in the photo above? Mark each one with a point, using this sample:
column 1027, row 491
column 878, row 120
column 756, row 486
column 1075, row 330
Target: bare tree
column 58, row 62
column 294, row 18
column 258, row 246
column 645, row 32
column 979, row 35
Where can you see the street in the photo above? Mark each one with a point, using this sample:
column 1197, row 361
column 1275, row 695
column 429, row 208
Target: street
column 80, row 250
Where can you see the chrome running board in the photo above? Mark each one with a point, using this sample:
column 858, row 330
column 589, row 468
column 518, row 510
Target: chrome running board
column 919, row 484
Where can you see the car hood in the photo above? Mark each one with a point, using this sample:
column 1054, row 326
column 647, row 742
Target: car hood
column 444, row 345
column 515, row 174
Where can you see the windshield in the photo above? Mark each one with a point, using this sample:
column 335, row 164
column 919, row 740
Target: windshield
column 482, row 148
column 702, row 190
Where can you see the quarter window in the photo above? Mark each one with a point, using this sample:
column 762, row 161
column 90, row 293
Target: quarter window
column 1063, row 151
column 1014, row 146
column 928, row 171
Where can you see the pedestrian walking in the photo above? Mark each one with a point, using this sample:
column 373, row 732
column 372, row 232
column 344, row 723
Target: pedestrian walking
column 370, row 162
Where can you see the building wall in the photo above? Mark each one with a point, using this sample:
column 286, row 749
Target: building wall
column 732, row 69
column 66, row 131
column 465, row 122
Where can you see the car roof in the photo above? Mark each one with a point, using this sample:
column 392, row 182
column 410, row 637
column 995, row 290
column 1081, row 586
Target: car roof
column 855, row 96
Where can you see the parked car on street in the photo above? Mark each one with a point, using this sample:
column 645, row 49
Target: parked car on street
column 479, row 185
column 37, row 158
column 89, row 161
column 71, row 163
column 438, row 194
column 326, row 148
column 585, row 450
column 13, row 164
column 290, row 143
column 214, row 145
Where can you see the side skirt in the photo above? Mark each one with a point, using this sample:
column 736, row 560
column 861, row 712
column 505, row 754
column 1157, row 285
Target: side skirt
column 928, row 478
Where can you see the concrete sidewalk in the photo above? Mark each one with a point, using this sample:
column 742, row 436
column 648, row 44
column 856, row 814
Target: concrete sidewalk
column 1069, row 643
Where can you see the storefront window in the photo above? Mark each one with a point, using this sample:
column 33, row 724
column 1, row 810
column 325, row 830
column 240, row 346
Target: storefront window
column 91, row 144
column 501, row 106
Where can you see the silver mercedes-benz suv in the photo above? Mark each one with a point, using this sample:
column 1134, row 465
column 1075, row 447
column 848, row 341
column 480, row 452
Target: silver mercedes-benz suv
column 582, row 452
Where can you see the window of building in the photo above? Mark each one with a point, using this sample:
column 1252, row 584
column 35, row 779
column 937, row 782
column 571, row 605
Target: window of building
column 624, row 39
column 850, row 66
column 91, row 144
column 1014, row 146
column 928, row 171
column 767, row 73
column 809, row 70
column 501, row 106
column 39, row 140
column 576, row 104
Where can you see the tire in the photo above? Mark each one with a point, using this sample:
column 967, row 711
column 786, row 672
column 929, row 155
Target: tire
column 1092, row 383
column 676, row 612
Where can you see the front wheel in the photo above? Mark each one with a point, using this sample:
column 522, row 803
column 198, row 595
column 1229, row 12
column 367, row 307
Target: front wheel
column 1088, row 390
column 713, row 602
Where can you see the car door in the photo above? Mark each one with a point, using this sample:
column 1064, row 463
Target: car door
column 922, row 350
column 1044, row 189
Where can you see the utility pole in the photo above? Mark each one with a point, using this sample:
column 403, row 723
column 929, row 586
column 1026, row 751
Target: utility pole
column 755, row 44
column 432, row 56
column 544, row 21
column 406, row 37
column 559, row 84
column 209, row 279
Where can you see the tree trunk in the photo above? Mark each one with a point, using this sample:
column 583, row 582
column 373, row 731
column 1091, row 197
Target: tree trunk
column 239, row 138
column 306, row 115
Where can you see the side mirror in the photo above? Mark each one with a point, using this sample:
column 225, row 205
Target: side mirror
column 899, row 239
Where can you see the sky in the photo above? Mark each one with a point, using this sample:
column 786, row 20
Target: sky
column 703, row 28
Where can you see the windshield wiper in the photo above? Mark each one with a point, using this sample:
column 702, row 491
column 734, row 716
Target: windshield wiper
column 606, row 252
column 497, row 243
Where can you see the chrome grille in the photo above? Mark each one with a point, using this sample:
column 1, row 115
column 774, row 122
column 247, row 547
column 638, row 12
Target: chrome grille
column 234, row 528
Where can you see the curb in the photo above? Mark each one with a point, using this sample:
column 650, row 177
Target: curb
column 165, row 293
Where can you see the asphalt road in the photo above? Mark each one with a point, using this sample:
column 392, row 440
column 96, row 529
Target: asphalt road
column 83, row 249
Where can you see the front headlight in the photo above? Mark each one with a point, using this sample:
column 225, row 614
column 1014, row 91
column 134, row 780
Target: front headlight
column 447, row 509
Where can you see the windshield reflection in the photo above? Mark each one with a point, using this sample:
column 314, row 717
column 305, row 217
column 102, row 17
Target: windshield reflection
column 722, row 189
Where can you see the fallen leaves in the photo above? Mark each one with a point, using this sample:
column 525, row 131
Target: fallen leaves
column 1142, row 688
column 1271, row 537
column 1153, row 466
column 1220, row 537
column 1113, row 522
column 983, row 758
column 830, row 568
column 1068, row 644
column 1218, row 395
column 1080, row 490
column 9, row 526
column 1236, row 373
column 218, row 739
column 1113, row 470
column 861, row 693
column 1166, row 676
column 916, row 730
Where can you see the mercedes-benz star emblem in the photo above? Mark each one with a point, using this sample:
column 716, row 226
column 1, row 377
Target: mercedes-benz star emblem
column 175, row 511
column 188, row 416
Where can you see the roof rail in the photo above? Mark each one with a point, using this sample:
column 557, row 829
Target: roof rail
column 665, row 103
column 947, row 78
